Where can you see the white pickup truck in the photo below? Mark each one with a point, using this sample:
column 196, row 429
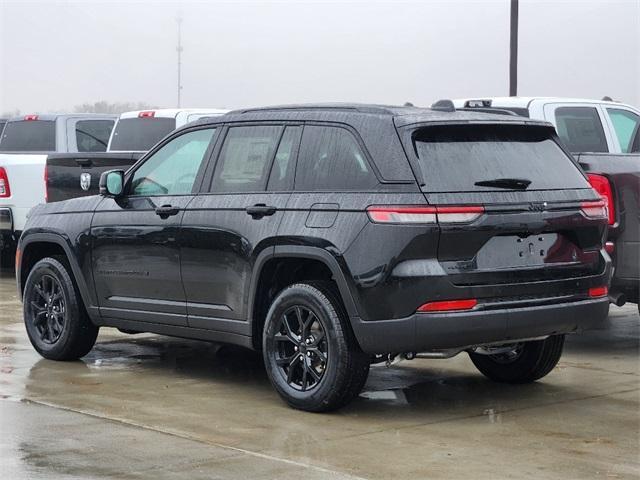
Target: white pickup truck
column 24, row 145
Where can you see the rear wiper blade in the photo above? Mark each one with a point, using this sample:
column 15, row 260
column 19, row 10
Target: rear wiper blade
column 510, row 183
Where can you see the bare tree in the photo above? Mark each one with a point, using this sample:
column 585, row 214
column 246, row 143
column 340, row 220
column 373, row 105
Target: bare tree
column 107, row 107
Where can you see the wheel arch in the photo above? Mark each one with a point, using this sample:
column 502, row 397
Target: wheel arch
column 40, row 245
column 315, row 257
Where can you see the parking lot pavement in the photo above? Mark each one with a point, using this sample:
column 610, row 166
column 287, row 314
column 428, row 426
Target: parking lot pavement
column 149, row 406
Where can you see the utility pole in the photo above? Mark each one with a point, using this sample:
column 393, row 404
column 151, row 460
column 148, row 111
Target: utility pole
column 179, row 49
column 513, row 50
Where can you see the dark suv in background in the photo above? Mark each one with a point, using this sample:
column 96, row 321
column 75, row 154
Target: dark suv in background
column 331, row 237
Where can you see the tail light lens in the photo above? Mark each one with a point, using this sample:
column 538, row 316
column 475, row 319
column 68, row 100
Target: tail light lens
column 448, row 306
column 598, row 209
column 435, row 214
column 601, row 184
column 31, row 118
column 596, row 292
column 147, row 114
column 46, row 184
column 5, row 189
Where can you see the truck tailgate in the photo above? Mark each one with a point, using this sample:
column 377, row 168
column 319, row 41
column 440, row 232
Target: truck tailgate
column 71, row 175
column 25, row 172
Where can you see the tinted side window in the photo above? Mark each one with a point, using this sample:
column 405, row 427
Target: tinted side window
column 282, row 171
column 93, row 135
column 245, row 158
column 331, row 159
column 580, row 129
column 172, row 170
column 625, row 124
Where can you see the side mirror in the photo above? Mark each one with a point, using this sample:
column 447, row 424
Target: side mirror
column 111, row 183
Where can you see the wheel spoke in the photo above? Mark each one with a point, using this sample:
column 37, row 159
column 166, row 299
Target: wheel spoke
column 291, row 368
column 305, row 370
column 292, row 336
column 314, row 374
column 38, row 289
column 319, row 353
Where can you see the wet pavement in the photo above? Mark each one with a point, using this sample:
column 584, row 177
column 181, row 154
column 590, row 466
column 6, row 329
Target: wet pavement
column 148, row 406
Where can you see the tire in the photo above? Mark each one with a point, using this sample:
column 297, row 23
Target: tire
column 57, row 323
column 532, row 361
column 306, row 322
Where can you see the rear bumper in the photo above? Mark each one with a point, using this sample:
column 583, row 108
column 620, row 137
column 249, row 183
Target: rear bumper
column 6, row 221
column 435, row 331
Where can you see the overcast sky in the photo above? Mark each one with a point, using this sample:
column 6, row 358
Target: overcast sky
column 57, row 54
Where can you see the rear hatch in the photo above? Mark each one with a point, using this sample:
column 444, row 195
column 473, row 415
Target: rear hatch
column 523, row 210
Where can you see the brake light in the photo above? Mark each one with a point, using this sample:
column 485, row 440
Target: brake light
column 601, row 184
column 448, row 305
column 597, row 292
column 46, row 185
column 30, row 118
column 415, row 214
column 147, row 114
column 5, row 189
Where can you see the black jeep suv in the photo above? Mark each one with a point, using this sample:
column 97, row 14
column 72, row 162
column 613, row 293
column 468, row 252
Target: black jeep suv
column 331, row 237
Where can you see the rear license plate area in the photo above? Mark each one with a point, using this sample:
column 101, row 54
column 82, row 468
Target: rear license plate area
column 530, row 251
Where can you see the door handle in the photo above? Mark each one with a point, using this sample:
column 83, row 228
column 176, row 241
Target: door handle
column 260, row 210
column 166, row 211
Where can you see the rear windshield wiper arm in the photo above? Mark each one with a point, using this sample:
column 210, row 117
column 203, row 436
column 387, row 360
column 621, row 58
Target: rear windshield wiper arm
column 509, row 183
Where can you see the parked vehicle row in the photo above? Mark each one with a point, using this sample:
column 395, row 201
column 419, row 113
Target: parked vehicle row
column 330, row 237
column 76, row 175
column 47, row 158
column 605, row 139
column 24, row 146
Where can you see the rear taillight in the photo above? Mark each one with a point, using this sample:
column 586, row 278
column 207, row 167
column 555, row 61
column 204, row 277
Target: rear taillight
column 597, row 292
column 448, row 306
column 147, row 114
column 46, row 184
column 5, row 189
column 31, row 118
column 415, row 214
column 597, row 209
column 601, row 184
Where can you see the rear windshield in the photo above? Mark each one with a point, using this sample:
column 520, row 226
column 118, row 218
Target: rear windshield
column 140, row 134
column 29, row 136
column 454, row 157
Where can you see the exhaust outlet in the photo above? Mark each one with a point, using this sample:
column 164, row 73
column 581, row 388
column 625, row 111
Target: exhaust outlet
column 618, row 299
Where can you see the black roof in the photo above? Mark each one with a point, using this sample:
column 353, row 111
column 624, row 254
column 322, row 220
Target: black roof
column 348, row 112
column 376, row 124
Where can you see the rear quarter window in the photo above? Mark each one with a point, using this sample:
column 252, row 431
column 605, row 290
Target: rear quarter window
column 29, row 136
column 453, row 158
column 331, row 159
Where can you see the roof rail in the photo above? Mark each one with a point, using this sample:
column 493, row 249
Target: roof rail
column 346, row 107
column 444, row 106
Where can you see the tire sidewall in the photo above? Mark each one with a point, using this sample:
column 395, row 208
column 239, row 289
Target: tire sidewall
column 316, row 301
column 49, row 266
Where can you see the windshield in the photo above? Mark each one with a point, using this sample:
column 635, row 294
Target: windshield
column 140, row 134
column 29, row 136
column 476, row 158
